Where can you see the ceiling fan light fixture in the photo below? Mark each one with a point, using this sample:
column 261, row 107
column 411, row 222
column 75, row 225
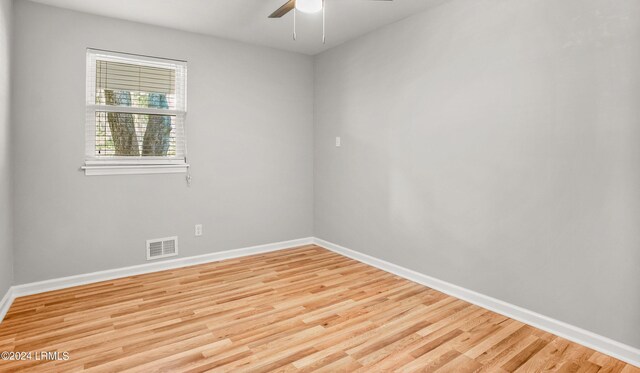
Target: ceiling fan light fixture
column 309, row 6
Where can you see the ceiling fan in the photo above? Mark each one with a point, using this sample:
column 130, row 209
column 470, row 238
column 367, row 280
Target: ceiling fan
column 304, row 6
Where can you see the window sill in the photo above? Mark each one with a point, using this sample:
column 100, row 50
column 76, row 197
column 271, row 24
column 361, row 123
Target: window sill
column 102, row 170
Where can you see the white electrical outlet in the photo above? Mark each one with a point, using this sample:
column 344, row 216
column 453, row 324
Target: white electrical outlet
column 338, row 142
column 198, row 230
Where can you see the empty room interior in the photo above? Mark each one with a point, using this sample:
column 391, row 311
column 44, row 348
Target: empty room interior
column 320, row 185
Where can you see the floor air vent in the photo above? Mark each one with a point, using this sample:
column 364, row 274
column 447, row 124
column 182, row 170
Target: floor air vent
column 162, row 248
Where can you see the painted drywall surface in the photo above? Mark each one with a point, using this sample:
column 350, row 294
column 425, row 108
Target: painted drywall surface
column 249, row 130
column 6, row 230
column 493, row 144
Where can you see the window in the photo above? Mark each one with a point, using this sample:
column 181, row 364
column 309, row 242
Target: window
column 136, row 109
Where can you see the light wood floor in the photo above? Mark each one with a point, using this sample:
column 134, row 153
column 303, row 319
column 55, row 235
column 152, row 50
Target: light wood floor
column 302, row 309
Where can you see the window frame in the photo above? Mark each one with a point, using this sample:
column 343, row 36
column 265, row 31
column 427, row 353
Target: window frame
column 127, row 165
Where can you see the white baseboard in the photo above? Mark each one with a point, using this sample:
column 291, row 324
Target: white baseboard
column 5, row 303
column 88, row 278
column 586, row 338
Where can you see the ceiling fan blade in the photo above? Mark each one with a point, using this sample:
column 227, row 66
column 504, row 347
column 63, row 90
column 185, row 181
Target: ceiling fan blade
column 286, row 8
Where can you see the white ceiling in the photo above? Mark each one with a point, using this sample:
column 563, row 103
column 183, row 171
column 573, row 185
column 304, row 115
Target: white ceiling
column 246, row 20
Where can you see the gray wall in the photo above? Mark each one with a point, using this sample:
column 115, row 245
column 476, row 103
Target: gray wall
column 6, row 230
column 250, row 127
column 493, row 144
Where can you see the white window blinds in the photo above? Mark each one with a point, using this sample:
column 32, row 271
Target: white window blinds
column 136, row 109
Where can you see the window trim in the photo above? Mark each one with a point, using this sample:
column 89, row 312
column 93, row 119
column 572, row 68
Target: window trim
column 133, row 169
column 114, row 165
